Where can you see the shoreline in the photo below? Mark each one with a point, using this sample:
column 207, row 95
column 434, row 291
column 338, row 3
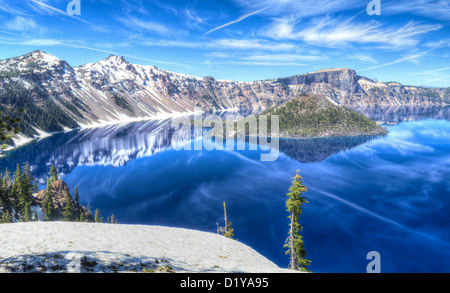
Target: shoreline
column 21, row 140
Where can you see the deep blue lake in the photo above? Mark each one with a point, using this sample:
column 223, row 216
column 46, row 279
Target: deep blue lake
column 388, row 194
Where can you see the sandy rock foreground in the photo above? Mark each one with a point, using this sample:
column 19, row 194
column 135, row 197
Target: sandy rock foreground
column 94, row 247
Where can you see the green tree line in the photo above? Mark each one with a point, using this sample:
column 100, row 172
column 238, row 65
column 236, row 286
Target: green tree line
column 17, row 198
column 16, row 195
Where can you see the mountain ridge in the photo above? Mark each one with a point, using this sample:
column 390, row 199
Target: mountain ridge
column 59, row 96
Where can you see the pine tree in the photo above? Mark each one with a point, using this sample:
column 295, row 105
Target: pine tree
column 47, row 204
column 27, row 212
column 97, row 215
column 77, row 207
column 5, row 194
column 16, row 193
column 53, row 174
column 8, row 125
column 295, row 245
column 6, row 218
column 81, row 219
column 28, row 186
column 113, row 218
column 7, row 179
column 227, row 230
column 35, row 216
column 3, row 197
column 68, row 209
column 76, row 195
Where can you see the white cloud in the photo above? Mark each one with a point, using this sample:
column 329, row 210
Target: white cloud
column 335, row 32
column 49, row 8
column 74, row 44
column 410, row 58
column 284, row 57
column 436, row 72
column 283, row 28
column 42, row 42
column 363, row 58
column 236, row 20
column 264, row 59
column 439, row 10
column 260, row 63
column 221, row 55
column 25, row 24
column 435, row 9
column 237, row 44
column 133, row 7
column 300, row 8
column 438, row 44
column 253, row 44
column 442, row 79
column 6, row 7
column 193, row 20
column 138, row 24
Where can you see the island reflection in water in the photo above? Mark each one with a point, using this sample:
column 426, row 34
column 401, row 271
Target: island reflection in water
column 392, row 115
column 117, row 145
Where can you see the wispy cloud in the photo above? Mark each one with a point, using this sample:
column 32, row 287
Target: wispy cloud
column 236, row 20
column 25, row 24
column 439, row 10
column 284, row 57
column 334, row 32
column 253, row 44
column 248, row 58
column 444, row 79
column 261, row 63
column 138, row 24
column 435, row 72
column 73, row 44
column 236, row 44
column 410, row 58
column 51, row 8
column 193, row 20
column 300, row 8
column 120, row 54
column 149, row 27
column 5, row 6
column 438, row 44
column 133, row 7
column 362, row 58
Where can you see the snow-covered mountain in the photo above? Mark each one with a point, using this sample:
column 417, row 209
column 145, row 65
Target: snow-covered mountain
column 57, row 96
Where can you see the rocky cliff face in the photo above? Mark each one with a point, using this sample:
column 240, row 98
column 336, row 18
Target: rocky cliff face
column 344, row 80
column 59, row 190
column 345, row 87
column 116, row 90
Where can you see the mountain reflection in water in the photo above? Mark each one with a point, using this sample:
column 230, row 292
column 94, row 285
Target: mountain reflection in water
column 116, row 145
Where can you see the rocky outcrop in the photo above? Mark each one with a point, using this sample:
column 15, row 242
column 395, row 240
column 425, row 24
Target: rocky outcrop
column 344, row 80
column 59, row 190
column 345, row 87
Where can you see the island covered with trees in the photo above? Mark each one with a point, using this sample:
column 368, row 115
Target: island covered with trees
column 311, row 115
column 305, row 116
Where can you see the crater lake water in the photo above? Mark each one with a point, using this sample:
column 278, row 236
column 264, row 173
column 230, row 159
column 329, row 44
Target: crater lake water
column 388, row 194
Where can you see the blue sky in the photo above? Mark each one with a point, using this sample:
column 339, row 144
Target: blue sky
column 242, row 40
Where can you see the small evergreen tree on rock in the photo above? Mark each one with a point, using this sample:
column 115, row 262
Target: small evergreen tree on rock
column 296, row 248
